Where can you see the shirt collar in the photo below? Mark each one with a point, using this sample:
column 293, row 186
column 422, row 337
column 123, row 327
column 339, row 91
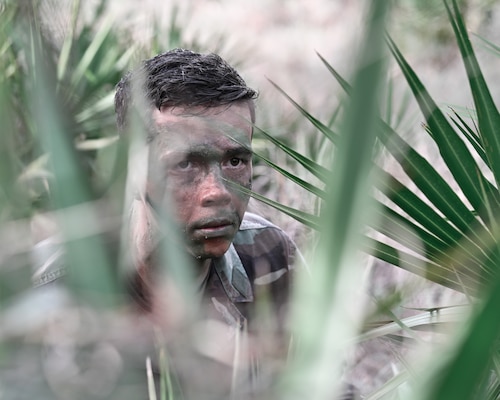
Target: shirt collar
column 233, row 276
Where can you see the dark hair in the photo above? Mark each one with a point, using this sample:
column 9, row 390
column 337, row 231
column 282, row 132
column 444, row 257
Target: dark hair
column 182, row 77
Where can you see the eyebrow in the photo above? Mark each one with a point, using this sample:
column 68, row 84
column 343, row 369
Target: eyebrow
column 202, row 152
column 242, row 150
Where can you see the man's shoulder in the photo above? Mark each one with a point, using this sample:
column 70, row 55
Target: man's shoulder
column 256, row 228
column 253, row 221
column 268, row 256
column 258, row 236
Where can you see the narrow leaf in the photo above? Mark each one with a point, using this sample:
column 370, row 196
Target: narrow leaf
column 487, row 112
column 420, row 171
column 342, row 82
column 90, row 53
column 433, row 185
column 307, row 219
column 428, row 270
column 470, row 135
column 453, row 150
column 460, row 377
column 294, row 178
column 318, row 124
column 317, row 170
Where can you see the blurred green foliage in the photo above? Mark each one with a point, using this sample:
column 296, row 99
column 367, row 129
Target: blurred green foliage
column 61, row 160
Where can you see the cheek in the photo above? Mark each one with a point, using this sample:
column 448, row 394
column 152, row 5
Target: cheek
column 182, row 196
column 241, row 177
column 174, row 198
column 238, row 182
column 241, row 198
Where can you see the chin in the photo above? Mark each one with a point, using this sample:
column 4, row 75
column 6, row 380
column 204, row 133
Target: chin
column 213, row 248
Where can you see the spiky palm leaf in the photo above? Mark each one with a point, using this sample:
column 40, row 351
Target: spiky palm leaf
column 448, row 237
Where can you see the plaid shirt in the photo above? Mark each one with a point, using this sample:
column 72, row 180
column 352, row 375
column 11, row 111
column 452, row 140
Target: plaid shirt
column 253, row 273
column 256, row 268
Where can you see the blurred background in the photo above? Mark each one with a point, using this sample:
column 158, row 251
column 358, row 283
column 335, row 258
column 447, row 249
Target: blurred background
column 272, row 41
column 279, row 41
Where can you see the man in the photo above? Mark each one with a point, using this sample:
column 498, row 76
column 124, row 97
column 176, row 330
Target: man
column 198, row 114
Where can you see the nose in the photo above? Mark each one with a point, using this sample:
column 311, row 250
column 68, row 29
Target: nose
column 213, row 191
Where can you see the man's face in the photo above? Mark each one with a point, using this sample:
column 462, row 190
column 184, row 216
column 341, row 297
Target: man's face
column 198, row 160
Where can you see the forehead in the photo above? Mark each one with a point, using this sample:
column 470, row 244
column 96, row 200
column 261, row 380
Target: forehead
column 222, row 126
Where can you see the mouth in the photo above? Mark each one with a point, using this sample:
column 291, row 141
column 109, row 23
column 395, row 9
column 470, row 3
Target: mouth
column 212, row 229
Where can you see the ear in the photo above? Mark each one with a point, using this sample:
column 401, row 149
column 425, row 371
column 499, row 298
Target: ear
column 143, row 228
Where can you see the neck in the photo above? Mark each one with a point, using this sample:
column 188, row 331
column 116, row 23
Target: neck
column 202, row 265
column 202, row 271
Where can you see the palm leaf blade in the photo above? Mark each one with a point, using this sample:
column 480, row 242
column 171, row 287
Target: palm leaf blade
column 294, row 178
column 453, row 150
column 487, row 112
column 332, row 136
column 317, row 170
column 429, row 270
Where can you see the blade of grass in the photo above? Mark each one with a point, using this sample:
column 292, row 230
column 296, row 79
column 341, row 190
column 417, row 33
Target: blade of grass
column 426, row 269
column 433, row 185
column 306, row 185
column 88, row 260
column 488, row 44
column 422, row 173
column 470, row 135
column 325, row 130
column 309, row 220
column 442, row 315
column 430, row 248
column 91, row 52
column 390, row 386
column 151, row 381
column 417, row 209
column 453, row 150
column 68, row 42
column 343, row 217
column 461, row 375
column 449, row 263
column 343, row 83
column 487, row 112
column 317, row 170
column 429, row 219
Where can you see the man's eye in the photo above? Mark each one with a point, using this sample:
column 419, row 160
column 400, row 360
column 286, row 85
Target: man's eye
column 235, row 161
column 185, row 164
